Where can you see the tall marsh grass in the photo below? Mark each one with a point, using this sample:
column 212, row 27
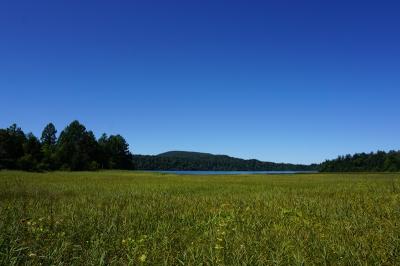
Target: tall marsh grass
column 122, row 217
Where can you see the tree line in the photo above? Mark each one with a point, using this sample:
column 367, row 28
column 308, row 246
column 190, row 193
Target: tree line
column 364, row 162
column 208, row 162
column 76, row 148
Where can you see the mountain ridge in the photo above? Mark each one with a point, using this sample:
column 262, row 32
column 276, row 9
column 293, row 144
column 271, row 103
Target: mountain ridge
column 195, row 154
column 191, row 160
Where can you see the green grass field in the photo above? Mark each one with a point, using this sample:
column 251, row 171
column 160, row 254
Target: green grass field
column 121, row 217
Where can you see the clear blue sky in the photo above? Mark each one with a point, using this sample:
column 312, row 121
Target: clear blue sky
column 291, row 81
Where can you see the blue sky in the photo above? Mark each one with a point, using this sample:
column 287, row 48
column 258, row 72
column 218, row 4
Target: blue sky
column 283, row 81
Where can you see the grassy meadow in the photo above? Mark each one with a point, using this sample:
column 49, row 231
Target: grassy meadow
column 122, row 217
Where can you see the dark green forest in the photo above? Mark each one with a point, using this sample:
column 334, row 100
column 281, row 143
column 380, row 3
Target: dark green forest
column 181, row 160
column 364, row 162
column 77, row 148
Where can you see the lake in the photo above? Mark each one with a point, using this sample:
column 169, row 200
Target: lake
column 231, row 172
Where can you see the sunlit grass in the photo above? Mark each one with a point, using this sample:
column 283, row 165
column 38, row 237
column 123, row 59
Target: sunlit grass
column 121, row 217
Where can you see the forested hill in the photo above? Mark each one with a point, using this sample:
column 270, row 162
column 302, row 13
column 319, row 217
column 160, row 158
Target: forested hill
column 187, row 154
column 77, row 148
column 364, row 162
column 183, row 160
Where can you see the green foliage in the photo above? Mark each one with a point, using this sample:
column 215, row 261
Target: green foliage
column 134, row 218
column 12, row 142
column 33, row 147
column 363, row 162
column 115, row 152
column 49, row 137
column 27, row 163
column 180, row 160
column 75, row 149
column 49, row 141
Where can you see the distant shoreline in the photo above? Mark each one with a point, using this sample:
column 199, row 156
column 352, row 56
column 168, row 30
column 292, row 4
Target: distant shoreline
column 221, row 172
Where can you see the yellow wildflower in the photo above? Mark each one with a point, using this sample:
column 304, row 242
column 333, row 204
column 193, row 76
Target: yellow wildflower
column 143, row 258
